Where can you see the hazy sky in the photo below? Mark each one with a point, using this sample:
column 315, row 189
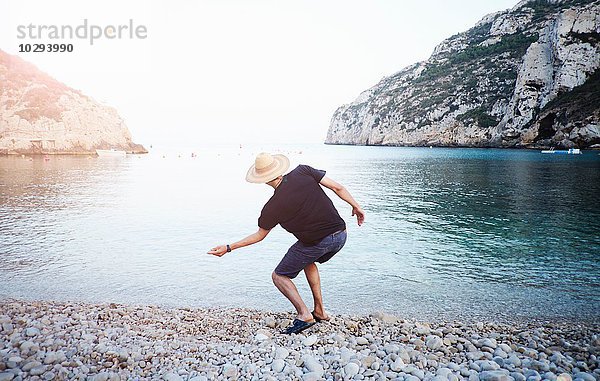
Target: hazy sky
column 238, row 71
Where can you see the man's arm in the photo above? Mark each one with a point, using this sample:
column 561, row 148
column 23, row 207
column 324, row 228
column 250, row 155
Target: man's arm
column 343, row 193
column 250, row 240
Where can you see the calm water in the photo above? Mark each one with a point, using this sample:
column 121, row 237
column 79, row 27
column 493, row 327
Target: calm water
column 452, row 233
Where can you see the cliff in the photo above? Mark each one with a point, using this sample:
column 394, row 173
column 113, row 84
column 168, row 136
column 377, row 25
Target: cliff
column 524, row 77
column 41, row 115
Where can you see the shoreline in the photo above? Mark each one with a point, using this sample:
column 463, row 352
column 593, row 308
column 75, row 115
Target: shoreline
column 55, row 340
column 523, row 320
column 62, row 153
column 593, row 147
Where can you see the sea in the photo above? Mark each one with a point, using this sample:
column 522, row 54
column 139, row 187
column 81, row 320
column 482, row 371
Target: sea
column 450, row 233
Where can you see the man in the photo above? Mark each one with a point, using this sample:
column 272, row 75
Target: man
column 301, row 207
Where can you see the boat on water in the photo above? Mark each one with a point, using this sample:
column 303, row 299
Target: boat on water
column 110, row 153
column 570, row 151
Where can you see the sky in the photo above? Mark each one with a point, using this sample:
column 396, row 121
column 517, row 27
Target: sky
column 237, row 71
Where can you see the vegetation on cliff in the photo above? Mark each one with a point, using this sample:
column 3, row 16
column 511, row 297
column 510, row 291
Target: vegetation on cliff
column 488, row 86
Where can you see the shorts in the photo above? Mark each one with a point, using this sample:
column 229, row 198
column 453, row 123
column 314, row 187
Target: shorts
column 300, row 255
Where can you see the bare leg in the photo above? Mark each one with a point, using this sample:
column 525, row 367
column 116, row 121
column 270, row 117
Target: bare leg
column 289, row 290
column 314, row 280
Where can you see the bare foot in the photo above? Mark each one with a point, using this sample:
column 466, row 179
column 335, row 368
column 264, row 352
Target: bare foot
column 305, row 317
column 320, row 315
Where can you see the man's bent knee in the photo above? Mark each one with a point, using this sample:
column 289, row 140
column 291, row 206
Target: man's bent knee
column 276, row 277
column 311, row 266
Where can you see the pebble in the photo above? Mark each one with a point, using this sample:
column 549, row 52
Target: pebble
column 367, row 361
column 564, row 377
column 278, row 365
column 281, row 353
column 230, row 371
column 434, row 342
column 113, row 342
column 312, row 376
column 313, row 365
column 421, row 329
column 15, row 359
column 102, row 376
column 532, row 373
column 513, row 360
column 7, row 328
column 494, row 375
column 50, row 358
column 584, row 376
column 30, row 365
column 487, row 342
column 270, row 322
column 351, row 369
column 32, row 331
column 403, row 354
column 172, row 377
column 488, row 365
column 37, row 371
column 418, row 373
column 345, row 355
column 505, row 347
column 261, row 337
column 500, row 353
column 397, row 365
column 310, row 340
column 452, row 366
column 444, row 372
column 391, row 348
column 385, row 317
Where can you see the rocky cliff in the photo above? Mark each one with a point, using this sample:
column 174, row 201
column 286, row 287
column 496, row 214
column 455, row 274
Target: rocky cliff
column 41, row 115
column 525, row 77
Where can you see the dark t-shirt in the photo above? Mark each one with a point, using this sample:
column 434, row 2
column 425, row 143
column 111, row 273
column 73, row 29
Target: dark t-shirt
column 302, row 208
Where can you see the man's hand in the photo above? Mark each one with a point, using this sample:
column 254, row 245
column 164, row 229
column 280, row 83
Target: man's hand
column 218, row 251
column 360, row 215
column 253, row 238
column 343, row 193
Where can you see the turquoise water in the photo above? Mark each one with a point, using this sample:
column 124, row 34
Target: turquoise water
column 450, row 233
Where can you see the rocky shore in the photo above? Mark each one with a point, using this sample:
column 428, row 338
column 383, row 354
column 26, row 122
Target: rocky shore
column 526, row 77
column 66, row 340
column 39, row 115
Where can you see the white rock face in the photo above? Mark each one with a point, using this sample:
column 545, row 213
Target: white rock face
column 509, row 23
column 516, row 79
column 40, row 115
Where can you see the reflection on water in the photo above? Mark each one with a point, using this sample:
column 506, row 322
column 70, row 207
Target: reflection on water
column 453, row 233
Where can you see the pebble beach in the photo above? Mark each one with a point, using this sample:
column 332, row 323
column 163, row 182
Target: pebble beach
column 100, row 342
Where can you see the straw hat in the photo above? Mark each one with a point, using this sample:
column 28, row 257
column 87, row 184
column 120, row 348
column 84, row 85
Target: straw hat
column 267, row 167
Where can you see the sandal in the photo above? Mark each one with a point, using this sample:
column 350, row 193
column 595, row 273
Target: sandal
column 317, row 319
column 298, row 326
